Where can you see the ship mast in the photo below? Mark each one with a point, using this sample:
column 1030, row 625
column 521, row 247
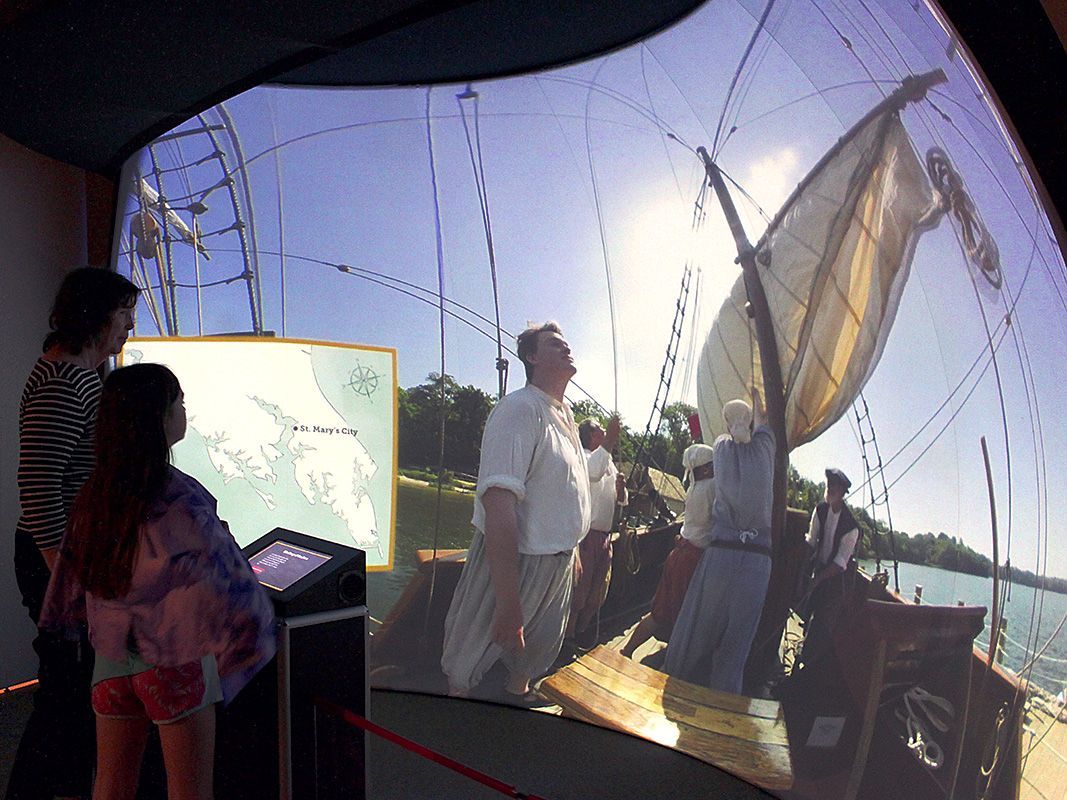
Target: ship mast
column 912, row 89
column 760, row 313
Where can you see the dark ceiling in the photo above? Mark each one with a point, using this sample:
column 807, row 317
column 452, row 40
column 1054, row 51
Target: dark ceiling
column 91, row 82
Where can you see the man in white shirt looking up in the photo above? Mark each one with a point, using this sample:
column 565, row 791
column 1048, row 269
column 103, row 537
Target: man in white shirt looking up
column 531, row 510
column 833, row 536
column 607, row 489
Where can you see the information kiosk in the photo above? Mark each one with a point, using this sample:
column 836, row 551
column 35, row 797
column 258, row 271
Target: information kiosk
column 319, row 593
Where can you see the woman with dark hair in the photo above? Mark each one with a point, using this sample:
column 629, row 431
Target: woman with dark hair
column 90, row 320
column 176, row 616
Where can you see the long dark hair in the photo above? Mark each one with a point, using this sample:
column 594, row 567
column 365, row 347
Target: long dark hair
column 132, row 458
column 83, row 307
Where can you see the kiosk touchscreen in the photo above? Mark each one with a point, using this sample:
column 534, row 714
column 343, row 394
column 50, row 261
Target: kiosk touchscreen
column 279, row 565
column 306, row 575
column 318, row 589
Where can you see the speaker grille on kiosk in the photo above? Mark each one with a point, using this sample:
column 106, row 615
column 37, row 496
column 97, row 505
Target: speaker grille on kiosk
column 351, row 587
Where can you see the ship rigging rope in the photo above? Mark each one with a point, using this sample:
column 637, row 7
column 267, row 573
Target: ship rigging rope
column 1018, row 336
column 937, row 411
column 1033, row 406
column 478, row 167
column 421, row 119
column 563, row 134
column 662, row 134
column 1021, row 348
column 996, row 374
column 255, row 308
column 619, row 97
column 1040, row 654
column 281, row 217
column 989, row 334
column 878, row 470
column 848, row 46
column 390, row 282
column 969, row 251
column 747, row 196
column 749, row 79
column 737, row 74
column 603, row 240
column 874, row 48
column 164, row 268
column 439, row 244
column 696, row 116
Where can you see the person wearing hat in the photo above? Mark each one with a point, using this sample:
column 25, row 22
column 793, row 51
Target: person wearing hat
column 688, row 550
column 721, row 611
column 832, row 536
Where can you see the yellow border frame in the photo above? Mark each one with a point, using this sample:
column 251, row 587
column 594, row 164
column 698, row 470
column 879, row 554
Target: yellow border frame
column 388, row 566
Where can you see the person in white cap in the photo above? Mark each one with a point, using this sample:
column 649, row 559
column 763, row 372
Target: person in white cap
column 832, row 536
column 718, row 620
column 688, row 550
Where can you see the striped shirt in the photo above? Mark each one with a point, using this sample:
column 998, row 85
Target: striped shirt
column 57, row 419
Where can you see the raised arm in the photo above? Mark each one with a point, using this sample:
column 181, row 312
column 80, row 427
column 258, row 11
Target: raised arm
column 599, row 460
column 759, row 413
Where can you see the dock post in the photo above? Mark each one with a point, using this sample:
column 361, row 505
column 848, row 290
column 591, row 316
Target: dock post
column 918, row 594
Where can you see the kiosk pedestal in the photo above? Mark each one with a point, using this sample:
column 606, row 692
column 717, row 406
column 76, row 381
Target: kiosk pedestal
column 319, row 593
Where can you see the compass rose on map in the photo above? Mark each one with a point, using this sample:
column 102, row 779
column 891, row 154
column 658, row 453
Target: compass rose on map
column 363, row 380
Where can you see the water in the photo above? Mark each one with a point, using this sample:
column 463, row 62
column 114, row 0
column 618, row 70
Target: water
column 416, row 509
column 942, row 587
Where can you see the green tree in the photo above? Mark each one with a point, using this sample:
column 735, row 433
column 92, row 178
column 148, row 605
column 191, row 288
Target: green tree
column 802, row 493
column 674, row 428
column 466, row 409
column 585, row 409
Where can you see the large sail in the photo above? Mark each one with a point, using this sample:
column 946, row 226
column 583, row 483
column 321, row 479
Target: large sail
column 833, row 265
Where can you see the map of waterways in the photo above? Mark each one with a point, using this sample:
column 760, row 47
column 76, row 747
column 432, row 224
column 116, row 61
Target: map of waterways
column 289, row 434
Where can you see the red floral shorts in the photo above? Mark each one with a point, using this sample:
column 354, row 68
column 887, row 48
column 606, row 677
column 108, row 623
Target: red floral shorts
column 160, row 694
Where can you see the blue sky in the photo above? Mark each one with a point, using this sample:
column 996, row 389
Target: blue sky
column 362, row 195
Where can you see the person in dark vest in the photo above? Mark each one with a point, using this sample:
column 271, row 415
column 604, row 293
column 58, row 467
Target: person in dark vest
column 833, row 536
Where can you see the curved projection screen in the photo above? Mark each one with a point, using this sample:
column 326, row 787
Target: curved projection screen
column 375, row 252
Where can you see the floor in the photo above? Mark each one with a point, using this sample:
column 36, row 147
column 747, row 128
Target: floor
column 541, row 754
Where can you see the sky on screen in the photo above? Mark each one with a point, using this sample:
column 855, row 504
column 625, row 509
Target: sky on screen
column 343, row 176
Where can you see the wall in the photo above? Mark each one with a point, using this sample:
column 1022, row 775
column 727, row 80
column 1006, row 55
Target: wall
column 42, row 235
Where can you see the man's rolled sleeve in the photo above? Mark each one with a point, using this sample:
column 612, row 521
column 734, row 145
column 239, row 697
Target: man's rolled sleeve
column 848, row 545
column 813, row 529
column 508, row 445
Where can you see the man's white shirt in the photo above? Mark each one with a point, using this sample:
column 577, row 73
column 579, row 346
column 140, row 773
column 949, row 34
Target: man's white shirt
column 602, row 494
column 826, row 549
column 530, row 447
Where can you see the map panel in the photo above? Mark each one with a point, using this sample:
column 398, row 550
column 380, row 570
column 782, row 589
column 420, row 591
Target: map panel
column 289, row 433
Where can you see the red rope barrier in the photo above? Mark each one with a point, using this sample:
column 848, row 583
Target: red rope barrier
column 358, row 721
